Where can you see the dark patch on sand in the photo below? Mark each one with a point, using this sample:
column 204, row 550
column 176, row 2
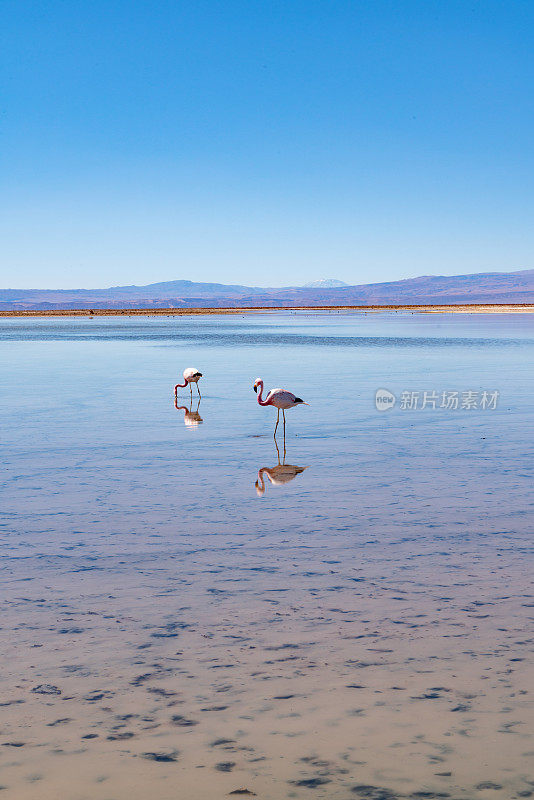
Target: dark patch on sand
column 98, row 694
column 374, row 792
column 161, row 758
column 183, row 722
column 46, row 688
column 488, row 785
column 311, row 783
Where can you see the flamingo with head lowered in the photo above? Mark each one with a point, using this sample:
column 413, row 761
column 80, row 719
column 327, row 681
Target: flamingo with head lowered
column 280, row 399
column 191, row 375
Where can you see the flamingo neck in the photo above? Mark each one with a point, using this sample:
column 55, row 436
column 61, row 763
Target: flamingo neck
column 180, row 386
column 261, row 401
column 260, row 484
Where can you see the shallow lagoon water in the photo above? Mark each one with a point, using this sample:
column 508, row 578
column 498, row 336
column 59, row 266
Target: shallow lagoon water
column 362, row 628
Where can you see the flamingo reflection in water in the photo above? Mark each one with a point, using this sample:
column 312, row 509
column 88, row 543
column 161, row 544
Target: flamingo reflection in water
column 279, row 475
column 191, row 418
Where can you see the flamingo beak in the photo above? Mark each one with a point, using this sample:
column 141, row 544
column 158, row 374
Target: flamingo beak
column 255, row 388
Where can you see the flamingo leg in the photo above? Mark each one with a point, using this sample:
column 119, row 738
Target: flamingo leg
column 284, row 415
column 198, row 390
column 277, row 450
column 277, row 421
column 191, row 390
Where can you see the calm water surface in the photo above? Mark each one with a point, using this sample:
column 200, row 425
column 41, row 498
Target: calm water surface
column 190, row 613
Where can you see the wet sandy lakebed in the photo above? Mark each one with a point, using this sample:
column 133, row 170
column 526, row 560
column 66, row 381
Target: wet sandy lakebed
column 362, row 629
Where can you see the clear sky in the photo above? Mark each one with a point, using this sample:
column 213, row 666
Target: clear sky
column 264, row 142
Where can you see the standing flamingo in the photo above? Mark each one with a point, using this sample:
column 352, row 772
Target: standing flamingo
column 191, row 375
column 280, row 399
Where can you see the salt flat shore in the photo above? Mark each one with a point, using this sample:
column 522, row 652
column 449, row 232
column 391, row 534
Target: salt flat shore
column 465, row 308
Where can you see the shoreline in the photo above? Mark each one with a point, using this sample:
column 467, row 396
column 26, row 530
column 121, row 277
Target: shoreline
column 463, row 308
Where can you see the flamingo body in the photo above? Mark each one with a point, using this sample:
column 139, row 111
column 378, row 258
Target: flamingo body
column 191, row 375
column 281, row 398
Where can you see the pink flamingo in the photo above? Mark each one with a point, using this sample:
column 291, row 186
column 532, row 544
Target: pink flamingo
column 191, row 375
column 280, row 399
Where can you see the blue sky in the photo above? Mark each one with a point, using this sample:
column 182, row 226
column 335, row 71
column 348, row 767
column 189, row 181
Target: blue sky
column 264, row 143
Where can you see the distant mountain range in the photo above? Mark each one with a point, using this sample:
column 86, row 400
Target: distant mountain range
column 484, row 287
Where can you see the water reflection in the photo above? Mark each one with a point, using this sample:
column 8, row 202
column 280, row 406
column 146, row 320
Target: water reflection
column 191, row 418
column 278, row 475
